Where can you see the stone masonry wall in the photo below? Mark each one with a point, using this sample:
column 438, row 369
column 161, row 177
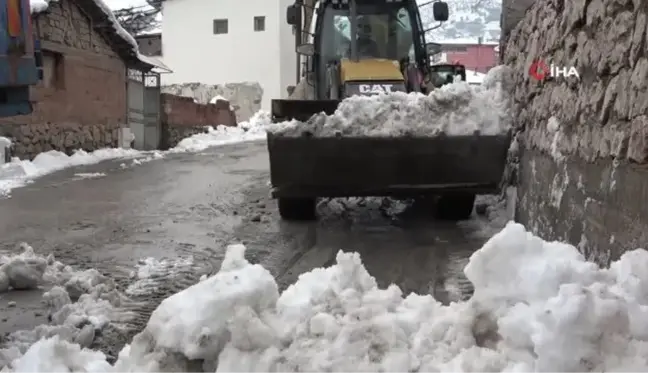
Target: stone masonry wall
column 583, row 174
column 81, row 101
column 182, row 117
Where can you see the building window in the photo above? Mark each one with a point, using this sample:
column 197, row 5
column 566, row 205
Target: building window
column 220, row 26
column 259, row 23
column 53, row 70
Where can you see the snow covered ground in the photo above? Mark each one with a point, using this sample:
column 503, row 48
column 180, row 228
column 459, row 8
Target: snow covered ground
column 19, row 173
column 537, row 306
column 454, row 109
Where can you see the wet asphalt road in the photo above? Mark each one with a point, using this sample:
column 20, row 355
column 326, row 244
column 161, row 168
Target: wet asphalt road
column 196, row 204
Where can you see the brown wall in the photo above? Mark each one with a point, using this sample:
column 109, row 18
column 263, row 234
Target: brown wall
column 81, row 101
column 181, row 117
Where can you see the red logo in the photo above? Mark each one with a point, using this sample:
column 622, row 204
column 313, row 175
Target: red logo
column 539, row 70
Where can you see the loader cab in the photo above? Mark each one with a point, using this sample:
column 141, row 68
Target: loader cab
column 443, row 74
column 357, row 30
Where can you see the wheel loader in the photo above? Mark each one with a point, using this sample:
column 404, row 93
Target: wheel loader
column 361, row 47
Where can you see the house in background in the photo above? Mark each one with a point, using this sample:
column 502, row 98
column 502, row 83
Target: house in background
column 229, row 41
column 93, row 87
column 476, row 55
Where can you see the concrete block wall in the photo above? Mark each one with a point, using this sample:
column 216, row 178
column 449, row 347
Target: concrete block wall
column 182, row 117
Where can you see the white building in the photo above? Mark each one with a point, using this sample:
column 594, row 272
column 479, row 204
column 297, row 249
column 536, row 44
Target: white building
column 230, row 41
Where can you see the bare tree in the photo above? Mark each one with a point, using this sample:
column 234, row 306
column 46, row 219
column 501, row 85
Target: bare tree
column 137, row 20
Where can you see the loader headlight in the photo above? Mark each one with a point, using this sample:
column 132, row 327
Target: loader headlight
column 373, row 88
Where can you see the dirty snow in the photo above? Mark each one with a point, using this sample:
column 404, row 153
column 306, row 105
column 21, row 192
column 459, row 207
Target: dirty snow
column 80, row 303
column 151, row 272
column 537, row 306
column 453, row 109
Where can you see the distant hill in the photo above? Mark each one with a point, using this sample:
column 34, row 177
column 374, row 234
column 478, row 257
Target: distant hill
column 469, row 20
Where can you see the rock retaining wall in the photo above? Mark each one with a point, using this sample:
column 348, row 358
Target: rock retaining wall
column 182, row 117
column 30, row 139
column 583, row 161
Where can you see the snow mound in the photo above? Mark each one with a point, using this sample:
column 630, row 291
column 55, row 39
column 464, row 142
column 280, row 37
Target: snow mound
column 537, row 306
column 254, row 129
column 453, row 109
column 57, row 355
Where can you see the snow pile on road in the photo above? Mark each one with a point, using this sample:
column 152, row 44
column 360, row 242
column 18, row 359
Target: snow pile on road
column 254, row 129
column 537, row 306
column 453, row 109
column 80, row 303
column 527, row 295
column 57, row 355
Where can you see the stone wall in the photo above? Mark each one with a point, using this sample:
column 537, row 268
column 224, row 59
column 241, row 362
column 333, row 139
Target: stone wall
column 182, row 117
column 81, row 101
column 244, row 97
column 513, row 11
column 584, row 142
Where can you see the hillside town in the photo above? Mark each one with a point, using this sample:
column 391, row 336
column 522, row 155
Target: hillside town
column 323, row 185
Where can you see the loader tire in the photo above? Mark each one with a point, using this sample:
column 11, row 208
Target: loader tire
column 297, row 209
column 455, row 206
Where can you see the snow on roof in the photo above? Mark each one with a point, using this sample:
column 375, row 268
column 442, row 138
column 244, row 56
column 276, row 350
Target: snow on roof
column 158, row 65
column 39, row 6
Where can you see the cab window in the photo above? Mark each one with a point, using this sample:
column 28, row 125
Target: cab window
column 383, row 32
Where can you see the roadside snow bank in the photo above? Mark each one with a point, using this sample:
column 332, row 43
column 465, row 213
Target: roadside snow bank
column 537, row 306
column 453, row 109
column 254, row 129
column 18, row 172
